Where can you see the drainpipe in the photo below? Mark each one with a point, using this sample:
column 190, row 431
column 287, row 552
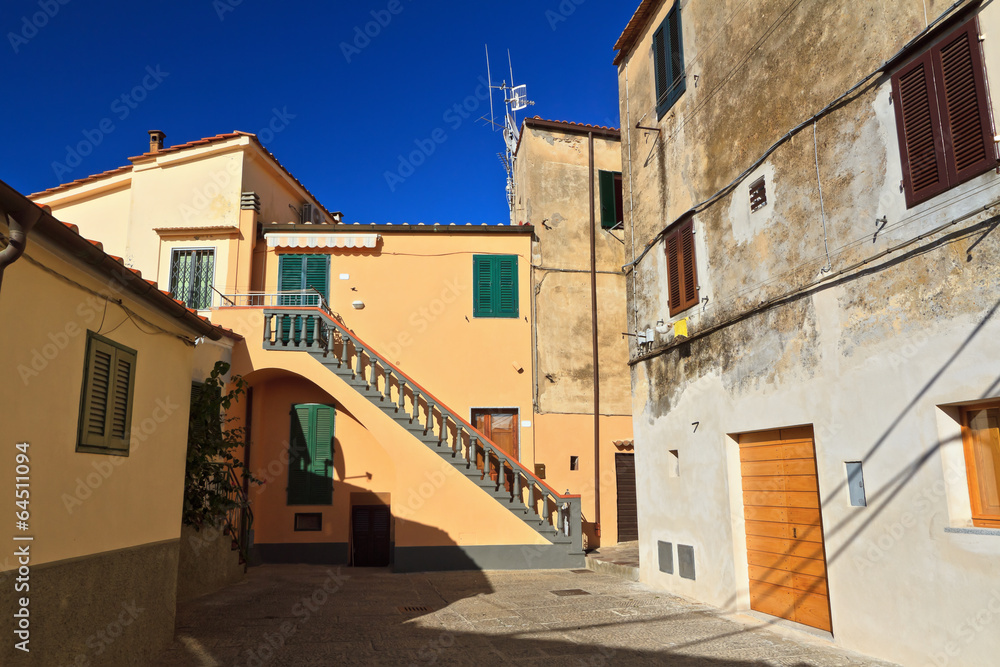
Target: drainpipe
column 20, row 227
column 597, row 371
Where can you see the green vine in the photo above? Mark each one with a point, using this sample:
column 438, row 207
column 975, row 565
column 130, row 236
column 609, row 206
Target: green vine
column 209, row 489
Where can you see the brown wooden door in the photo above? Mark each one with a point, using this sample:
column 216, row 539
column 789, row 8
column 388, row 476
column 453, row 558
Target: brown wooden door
column 370, row 535
column 785, row 550
column 628, row 517
column 501, row 427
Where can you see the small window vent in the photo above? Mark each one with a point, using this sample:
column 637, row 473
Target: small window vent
column 758, row 195
column 414, row 609
column 309, row 522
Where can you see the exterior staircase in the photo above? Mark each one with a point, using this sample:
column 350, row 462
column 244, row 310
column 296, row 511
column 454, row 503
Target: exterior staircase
column 316, row 331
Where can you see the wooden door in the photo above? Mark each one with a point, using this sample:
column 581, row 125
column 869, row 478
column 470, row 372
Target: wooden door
column 628, row 518
column 370, row 535
column 500, row 426
column 785, row 550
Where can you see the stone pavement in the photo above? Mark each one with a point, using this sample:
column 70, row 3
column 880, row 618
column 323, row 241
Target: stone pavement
column 619, row 560
column 313, row 615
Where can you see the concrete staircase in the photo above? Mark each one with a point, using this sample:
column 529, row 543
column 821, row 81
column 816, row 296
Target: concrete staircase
column 555, row 516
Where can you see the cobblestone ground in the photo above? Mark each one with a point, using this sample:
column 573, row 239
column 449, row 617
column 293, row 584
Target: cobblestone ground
column 309, row 615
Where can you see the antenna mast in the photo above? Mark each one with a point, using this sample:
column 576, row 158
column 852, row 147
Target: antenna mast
column 515, row 101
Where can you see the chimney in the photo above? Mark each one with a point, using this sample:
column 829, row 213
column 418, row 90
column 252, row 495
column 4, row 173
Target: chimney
column 156, row 138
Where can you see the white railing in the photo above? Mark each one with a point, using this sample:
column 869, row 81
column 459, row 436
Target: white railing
column 296, row 299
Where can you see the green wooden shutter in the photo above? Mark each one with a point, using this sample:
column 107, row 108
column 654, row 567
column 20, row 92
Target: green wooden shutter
column 609, row 216
column 668, row 61
column 299, row 461
column 120, row 401
column 310, row 470
column 483, row 287
column 97, row 389
column 506, row 286
column 321, row 483
column 106, row 403
column 290, row 278
column 317, row 274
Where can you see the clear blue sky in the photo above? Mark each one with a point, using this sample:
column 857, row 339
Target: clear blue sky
column 227, row 65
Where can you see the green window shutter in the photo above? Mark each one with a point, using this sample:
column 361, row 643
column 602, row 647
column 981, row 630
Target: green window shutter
column 668, row 61
column 506, row 286
column 120, row 403
column 321, row 445
column 106, row 402
column 310, row 470
column 299, row 461
column 290, row 278
column 609, row 217
column 317, row 274
column 483, row 272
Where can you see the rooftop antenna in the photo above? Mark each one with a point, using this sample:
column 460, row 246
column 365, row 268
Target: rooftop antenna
column 515, row 99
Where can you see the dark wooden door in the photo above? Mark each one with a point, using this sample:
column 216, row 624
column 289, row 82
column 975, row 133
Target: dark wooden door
column 501, row 427
column 784, row 526
column 628, row 516
column 370, row 535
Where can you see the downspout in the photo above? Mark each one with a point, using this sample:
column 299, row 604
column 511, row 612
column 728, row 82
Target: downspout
column 597, row 370
column 631, row 202
column 20, row 227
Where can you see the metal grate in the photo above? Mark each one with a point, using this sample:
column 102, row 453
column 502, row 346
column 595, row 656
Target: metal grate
column 582, row 571
column 570, row 591
column 192, row 274
column 412, row 609
column 758, row 195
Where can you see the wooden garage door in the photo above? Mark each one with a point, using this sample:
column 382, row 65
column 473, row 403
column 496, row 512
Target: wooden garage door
column 628, row 519
column 784, row 528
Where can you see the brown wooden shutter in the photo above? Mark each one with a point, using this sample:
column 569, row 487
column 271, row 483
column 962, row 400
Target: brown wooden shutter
column 961, row 83
column 673, row 272
column 918, row 121
column 689, row 269
column 682, row 270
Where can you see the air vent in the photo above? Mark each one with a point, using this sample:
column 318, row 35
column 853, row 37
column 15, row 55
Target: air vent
column 570, row 591
column 758, row 195
column 414, row 609
column 250, row 201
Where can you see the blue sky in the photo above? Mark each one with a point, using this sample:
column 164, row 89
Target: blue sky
column 344, row 114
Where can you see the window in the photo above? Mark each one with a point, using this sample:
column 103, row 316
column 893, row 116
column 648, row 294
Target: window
column 310, row 465
column 682, row 272
column 106, row 403
column 310, row 522
column 942, row 116
column 758, row 195
column 192, row 273
column 981, row 435
column 299, row 273
column 611, row 199
column 668, row 61
column 495, row 286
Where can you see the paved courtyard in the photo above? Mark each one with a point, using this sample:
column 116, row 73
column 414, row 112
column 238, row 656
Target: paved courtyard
column 309, row 615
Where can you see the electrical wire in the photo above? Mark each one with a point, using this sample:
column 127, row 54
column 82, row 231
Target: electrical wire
column 795, row 130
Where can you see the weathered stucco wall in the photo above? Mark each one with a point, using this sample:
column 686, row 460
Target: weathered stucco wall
column 872, row 358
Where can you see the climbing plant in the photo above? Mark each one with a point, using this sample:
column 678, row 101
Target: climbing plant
column 210, row 491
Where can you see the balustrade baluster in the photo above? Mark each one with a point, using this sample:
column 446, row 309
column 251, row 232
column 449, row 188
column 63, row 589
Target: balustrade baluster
column 373, row 374
column 317, row 332
column 401, row 405
column 344, row 353
column 415, row 415
column 429, row 426
column 267, row 329
column 359, row 366
column 387, row 394
column 486, row 464
column 517, row 485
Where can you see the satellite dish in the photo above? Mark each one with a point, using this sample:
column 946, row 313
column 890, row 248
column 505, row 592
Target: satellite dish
column 519, row 98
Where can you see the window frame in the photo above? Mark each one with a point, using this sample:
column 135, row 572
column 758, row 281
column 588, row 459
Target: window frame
column 979, row 518
column 495, row 311
column 610, row 196
column 687, row 295
column 170, row 278
column 84, row 441
column 669, row 86
column 942, row 130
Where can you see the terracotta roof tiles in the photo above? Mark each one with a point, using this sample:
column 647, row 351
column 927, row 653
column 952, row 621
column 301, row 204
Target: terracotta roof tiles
column 633, row 31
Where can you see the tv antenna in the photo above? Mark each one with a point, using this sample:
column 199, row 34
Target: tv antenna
column 515, row 99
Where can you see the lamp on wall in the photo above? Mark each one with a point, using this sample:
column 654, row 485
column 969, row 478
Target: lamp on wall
column 358, row 305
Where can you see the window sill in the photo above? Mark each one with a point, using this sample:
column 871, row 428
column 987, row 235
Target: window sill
column 994, row 532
